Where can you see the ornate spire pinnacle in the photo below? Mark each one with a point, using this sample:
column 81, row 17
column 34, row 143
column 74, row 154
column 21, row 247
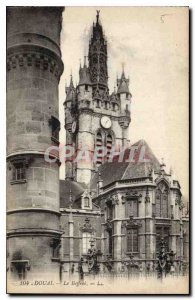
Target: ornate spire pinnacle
column 79, row 63
column 98, row 57
column 162, row 165
column 85, row 61
column 123, row 69
column 71, row 81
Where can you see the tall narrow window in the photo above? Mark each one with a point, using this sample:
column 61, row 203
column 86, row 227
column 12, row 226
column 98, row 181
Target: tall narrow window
column 110, row 212
column 110, row 247
column 109, row 142
column 55, row 128
column 162, row 232
column 132, row 207
column 162, row 201
column 132, row 240
column 99, row 150
column 87, row 236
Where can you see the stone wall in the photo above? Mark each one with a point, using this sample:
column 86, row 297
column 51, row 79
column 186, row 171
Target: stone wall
column 34, row 68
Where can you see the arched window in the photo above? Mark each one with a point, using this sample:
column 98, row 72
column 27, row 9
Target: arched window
column 162, row 200
column 109, row 142
column 98, row 148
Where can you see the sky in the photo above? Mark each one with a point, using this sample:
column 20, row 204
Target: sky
column 152, row 43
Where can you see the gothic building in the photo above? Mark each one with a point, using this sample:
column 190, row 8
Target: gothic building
column 120, row 208
column 124, row 207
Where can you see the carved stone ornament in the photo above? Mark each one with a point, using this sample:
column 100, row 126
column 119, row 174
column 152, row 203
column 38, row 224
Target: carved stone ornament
column 108, row 225
column 113, row 199
column 131, row 194
column 87, row 227
column 131, row 223
column 26, row 160
column 123, row 199
column 147, row 198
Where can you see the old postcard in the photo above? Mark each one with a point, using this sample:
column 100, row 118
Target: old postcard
column 97, row 150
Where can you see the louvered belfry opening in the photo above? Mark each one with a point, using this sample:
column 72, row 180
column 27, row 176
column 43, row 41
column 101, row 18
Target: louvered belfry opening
column 99, row 145
column 108, row 145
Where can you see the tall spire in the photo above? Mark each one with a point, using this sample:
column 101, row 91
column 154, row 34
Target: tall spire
column 98, row 57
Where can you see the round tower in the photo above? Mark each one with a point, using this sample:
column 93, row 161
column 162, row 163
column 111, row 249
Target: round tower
column 34, row 67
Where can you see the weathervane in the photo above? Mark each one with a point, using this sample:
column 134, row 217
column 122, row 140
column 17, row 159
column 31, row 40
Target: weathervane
column 97, row 16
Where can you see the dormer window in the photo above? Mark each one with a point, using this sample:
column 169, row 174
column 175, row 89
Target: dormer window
column 86, row 202
column 86, row 87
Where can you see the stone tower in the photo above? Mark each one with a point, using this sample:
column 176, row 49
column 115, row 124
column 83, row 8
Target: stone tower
column 34, row 67
column 94, row 118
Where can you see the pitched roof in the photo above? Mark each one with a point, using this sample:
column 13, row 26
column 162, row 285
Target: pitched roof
column 123, row 84
column 143, row 161
column 76, row 189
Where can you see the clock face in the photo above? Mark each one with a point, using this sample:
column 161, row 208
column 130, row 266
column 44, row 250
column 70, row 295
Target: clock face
column 74, row 126
column 106, row 122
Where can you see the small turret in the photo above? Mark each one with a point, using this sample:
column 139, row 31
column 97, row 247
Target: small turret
column 69, row 103
column 70, row 91
column 84, row 87
column 123, row 84
column 84, row 75
column 124, row 94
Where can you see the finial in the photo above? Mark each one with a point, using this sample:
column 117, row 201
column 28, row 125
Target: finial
column 97, row 16
column 80, row 62
column 162, row 165
column 71, row 80
column 85, row 60
column 171, row 170
column 123, row 69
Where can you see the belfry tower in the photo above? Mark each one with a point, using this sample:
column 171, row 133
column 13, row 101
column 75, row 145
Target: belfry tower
column 34, row 67
column 94, row 118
